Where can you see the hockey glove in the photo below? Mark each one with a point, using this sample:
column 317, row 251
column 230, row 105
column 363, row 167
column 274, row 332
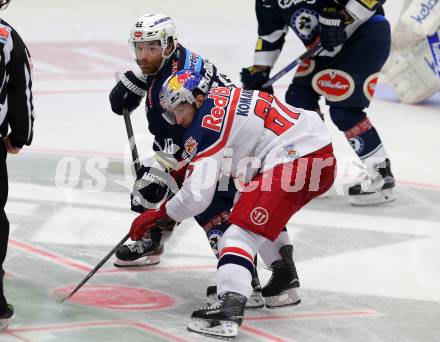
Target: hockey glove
column 127, row 93
column 254, row 80
column 148, row 220
column 151, row 188
column 331, row 29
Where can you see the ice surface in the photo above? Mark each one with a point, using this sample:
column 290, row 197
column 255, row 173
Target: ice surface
column 367, row 274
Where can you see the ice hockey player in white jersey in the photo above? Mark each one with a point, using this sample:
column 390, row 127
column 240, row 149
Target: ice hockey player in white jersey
column 283, row 158
column 413, row 68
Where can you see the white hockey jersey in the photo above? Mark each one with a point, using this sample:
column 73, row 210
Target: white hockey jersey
column 238, row 133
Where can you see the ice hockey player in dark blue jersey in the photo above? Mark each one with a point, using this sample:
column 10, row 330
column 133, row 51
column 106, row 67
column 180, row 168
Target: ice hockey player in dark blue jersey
column 356, row 39
column 153, row 41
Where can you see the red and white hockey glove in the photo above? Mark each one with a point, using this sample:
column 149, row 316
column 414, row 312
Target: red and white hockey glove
column 146, row 221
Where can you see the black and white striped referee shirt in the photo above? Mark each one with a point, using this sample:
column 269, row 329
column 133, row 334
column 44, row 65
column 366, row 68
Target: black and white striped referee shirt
column 16, row 102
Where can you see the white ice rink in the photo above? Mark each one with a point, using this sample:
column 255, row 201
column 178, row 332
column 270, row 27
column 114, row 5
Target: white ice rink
column 367, row 274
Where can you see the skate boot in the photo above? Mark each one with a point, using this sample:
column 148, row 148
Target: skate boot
column 376, row 187
column 280, row 291
column 6, row 316
column 144, row 252
column 221, row 319
column 256, row 300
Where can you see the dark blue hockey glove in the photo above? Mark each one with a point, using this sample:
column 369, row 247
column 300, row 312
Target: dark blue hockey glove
column 150, row 188
column 254, row 80
column 331, row 29
column 127, row 93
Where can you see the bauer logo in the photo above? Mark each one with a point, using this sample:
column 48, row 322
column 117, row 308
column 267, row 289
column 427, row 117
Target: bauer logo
column 370, row 86
column 334, row 85
column 305, row 68
column 425, row 10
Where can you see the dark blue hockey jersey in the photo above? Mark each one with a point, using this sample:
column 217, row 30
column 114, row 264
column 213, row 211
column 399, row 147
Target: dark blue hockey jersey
column 276, row 16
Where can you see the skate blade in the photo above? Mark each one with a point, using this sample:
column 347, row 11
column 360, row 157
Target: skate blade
column 225, row 330
column 256, row 301
column 284, row 299
column 383, row 196
column 149, row 260
column 4, row 323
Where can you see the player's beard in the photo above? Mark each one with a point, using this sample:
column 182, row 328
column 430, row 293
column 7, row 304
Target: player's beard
column 148, row 67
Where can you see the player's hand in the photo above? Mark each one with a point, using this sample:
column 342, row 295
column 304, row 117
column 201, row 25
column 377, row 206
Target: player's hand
column 254, row 77
column 150, row 188
column 127, row 93
column 9, row 147
column 146, row 221
column 331, row 29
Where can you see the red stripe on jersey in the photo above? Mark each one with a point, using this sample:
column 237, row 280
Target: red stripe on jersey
column 224, row 139
column 236, row 250
column 359, row 128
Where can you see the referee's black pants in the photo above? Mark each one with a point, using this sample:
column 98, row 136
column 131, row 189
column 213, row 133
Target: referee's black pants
column 4, row 223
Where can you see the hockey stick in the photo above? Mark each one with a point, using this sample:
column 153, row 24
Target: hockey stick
column 131, row 140
column 309, row 53
column 135, row 156
column 97, row 267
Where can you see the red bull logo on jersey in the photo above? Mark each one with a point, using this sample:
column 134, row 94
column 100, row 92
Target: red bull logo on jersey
column 214, row 119
column 370, row 86
column 334, row 85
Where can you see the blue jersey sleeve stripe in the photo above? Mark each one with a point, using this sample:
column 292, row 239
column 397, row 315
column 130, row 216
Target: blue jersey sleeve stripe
column 187, row 61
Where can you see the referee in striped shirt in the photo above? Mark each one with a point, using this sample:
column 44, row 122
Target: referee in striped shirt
column 16, row 121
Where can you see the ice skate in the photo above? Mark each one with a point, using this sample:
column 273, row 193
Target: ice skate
column 376, row 187
column 280, row 291
column 144, row 252
column 6, row 316
column 255, row 301
column 221, row 319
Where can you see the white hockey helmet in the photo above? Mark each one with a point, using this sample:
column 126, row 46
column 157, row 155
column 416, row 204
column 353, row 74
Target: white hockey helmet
column 151, row 27
column 179, row 88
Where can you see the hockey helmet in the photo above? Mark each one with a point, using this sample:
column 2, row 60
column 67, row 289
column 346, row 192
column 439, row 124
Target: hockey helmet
column 153, row 27
column 179, row 88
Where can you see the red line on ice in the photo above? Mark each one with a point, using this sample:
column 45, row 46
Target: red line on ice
column 75, row 152
column 315, row 314
column 72, row 326
column 159, row 332
column 16, row 336
column 71, row 91
column 161, row 269
column 262, row 334
column 49, row 255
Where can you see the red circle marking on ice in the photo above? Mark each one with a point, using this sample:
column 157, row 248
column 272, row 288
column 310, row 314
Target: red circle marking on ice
column 118, row 297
